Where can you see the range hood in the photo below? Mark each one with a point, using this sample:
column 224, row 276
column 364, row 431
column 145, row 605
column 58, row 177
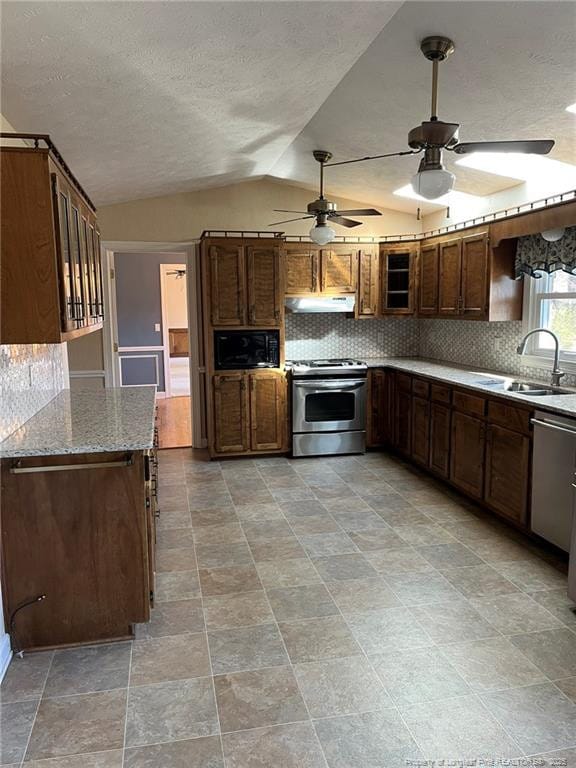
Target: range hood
column 302, row 304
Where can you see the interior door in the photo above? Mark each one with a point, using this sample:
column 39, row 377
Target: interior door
column 450, row 270
column 264, row 280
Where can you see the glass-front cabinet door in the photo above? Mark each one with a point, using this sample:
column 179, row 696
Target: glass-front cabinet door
column 65, row 266
column 77, row 259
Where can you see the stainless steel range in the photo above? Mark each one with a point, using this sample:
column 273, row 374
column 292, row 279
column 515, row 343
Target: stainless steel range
column 328, row 407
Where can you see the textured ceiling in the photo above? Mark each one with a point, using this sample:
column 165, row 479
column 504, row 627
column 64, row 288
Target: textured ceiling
column 151, row 98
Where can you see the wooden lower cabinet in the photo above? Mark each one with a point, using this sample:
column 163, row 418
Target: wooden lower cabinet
column 268, row 401
column 75, row 528
column 231, row 425
column 420, row 430
column 467, row 448
column 379, row 426
column 250, row 413
column 507, row 472
column 403, row 421
column 440, row 421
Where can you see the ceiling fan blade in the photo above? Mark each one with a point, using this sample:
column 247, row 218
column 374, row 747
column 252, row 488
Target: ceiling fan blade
column 344, row 222
column 287, row 221
column 530, row 147
column 283, row 210
column 360, row 212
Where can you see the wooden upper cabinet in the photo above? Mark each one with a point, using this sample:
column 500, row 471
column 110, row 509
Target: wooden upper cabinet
column 227, row 284
column 231, row 414
column 397, row 267
column 449, row 276
column 268, row 411
column 368, row 282
column 428, row 280
column 264, row 280
column 338, row 270
column 507, row 472
column 47, row 262
column 467, row 453
column 474, row 286
column 302, row 269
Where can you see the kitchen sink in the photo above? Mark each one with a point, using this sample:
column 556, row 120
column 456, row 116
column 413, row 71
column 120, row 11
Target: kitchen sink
column 534, row 389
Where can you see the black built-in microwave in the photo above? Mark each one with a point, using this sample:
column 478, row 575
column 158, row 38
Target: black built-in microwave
column 237, row 350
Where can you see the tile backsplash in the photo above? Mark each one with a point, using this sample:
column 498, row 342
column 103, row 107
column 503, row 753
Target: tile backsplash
column 473, row 343
column 30, row 376
column 332, row 335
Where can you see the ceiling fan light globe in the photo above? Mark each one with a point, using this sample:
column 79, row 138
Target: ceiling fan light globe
column 553, row 235
column 433, row 183
column 322, row 234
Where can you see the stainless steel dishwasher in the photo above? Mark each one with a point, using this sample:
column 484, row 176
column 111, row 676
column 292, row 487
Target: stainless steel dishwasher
column 554, row 478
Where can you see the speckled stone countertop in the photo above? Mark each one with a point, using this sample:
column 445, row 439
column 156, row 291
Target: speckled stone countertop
column 481, row 380
column 87, row 421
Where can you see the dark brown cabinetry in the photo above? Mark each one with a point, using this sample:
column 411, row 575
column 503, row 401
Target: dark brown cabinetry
column 507, row 472
column 380, row 426
column 301, row 269
column 250, row 412
column 328, row 271
column 440, row 430
column 51, row 274
column 244, row 283
column 397, row 283
column 402, row 395
column 467, row 454
column 368, row 282
column 79, row 529
column 338, row 270
column 428, row 280
column 449, row 256
column 421, row 430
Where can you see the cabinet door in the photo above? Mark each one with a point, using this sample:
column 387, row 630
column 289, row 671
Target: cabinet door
column 231, row 432
column 78, row 259
column 88, row 248
column 264, row 285
column 428, row 280
column 440, row 439
column 66, row 271
column 368, row 278
column 301, row 271
column 397, row 280
column 420, row 430
column 403, row 421
column 474, row 291
column 339, row 271
column 467, row 454
column 227, row 285
column 449, row 261
column 378, row 408
column 507, row 472
column 268, row 415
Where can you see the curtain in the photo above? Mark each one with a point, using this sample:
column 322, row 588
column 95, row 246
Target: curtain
column 534, row 254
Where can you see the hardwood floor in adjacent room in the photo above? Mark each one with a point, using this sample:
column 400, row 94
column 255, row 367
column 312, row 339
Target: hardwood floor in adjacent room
column 174, row 422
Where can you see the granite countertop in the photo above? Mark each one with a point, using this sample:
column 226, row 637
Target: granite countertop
column 87, row 421
column 480, row 380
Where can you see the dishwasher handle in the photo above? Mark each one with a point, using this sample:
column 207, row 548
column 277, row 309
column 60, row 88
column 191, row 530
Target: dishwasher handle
column 553, row 425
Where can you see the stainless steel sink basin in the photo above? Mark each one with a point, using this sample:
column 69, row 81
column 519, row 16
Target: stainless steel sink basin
column 534, row 389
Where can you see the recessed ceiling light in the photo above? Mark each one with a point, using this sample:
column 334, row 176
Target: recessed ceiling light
column 519, row 166
column 571, row 108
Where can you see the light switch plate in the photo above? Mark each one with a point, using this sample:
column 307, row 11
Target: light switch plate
column 157, row 327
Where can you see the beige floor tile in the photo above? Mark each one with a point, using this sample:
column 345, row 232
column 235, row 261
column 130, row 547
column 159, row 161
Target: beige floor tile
column 16, row 721
column 316, row 639
column 89, row 669
column 246, row 648
column 287, row 573
column 238, row 610
column 225, row 581
column 160, row 659
column 178, row 617
column 285, row 746
column 110, row 759
column 25, row 677
column 204, row 752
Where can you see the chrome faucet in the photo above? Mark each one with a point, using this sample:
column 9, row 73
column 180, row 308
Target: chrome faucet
column 556, row 372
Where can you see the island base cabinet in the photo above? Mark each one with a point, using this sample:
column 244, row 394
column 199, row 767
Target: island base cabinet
column 507, row 472
column 75, row 530
column 467, row 460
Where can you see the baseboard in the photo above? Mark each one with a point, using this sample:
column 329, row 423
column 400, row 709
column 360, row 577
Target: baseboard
column 5, row 655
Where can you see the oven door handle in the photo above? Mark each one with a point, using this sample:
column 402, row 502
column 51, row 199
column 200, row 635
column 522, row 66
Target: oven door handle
column 320, row 385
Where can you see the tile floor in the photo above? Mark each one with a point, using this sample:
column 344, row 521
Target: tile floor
column 315, row 613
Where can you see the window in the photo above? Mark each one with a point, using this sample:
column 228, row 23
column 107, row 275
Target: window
column 551, row 303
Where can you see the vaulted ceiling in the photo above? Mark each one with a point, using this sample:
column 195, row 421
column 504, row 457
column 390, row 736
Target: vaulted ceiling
column 152, row 98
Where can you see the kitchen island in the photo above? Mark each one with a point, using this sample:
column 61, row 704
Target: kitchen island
column 78, row 519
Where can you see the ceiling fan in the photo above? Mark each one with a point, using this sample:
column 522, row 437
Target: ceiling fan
column 180, row 273
column 325, row 211
column 434, row 136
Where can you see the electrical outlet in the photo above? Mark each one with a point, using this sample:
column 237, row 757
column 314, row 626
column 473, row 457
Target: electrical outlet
column 157, row 327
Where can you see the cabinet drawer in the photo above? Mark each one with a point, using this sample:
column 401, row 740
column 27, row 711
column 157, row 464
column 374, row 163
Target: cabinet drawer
column 421, row 388
column 517, row 419
column 469, row 403
column 404, row 382
column 440, row 394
